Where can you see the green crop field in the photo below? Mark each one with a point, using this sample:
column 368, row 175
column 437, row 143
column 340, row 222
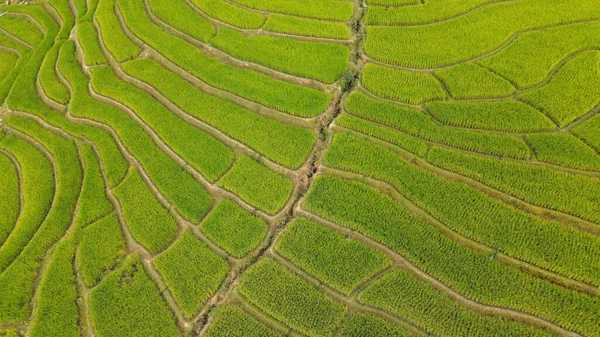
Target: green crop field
column 289, row 168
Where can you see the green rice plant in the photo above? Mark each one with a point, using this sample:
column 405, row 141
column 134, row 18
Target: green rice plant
column 529, row 58
column 426, row 12
column 401, row 85
column 468, row 36
column 10, row 203
column 258, row 185
column 252, row 85
column 9, row 42
column 149, row 222
column 182, row 17
column 187, row 195
column 113, row 37
column 468, row 80
column 18, row 281
column 507, row 116
column 53, row 87
column 334, row 259
column 8, row 78
column 23, row 95
column 588, row 132
column 564, row 150
column 57, row 313
column 292, row 25
column 127, row 303
column 288, row 298
column 283, row 143
column 9, row 332
column 68, row 21
column 572, row 92
column 37, row 191
column 369, row 325
column 100, row 250
column 93, row 203
column 321, row 61
column 90, row 6
column 419, row 124
column 80, row 9
column 202, row 151
column 88, row 38
column 379, row 217
column 229, row 13
column 404, row 294
column 22, row 28
column 407, row 142
column 192, row 272
column 574, row 194
column 393, row 3
column 483, row 218
column 233, row 229
column 332, row 10
column 231, row 321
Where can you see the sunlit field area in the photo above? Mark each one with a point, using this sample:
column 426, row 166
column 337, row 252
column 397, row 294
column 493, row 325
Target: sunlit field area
column 287, row 168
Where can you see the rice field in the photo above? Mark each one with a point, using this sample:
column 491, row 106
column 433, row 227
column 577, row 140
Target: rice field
column 318, row 168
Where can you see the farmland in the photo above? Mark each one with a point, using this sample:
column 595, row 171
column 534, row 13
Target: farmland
column 318, row 168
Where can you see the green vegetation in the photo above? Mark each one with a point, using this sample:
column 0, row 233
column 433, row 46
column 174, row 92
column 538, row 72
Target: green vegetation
column 339, row 262
column 479, row 216
column 379, row 217
column 18, row 281
column 179, row 15
column 101, row 248
column 572, row 92
column 233, row 229
column 564, row 150
column 403, row 294
column 507, row 115
column 229, row 13
column 405, row 141
column 577, row 195
column 258, row 185
column 468, row 80
column 113, row 37
column 200, row 150
column 306, row 27
column 192, row 272
column 425, row 12
column 88, row 38
column 283, row 143
column 368, row 325
column 56, row 311
column 472, row 35
column 417, row 123
column 94, row 203
column 149, row 222
column 9, row 196
column 128, row 303
column 257, row 87
column 290, row 299
column 282, row 168
column 37, row 191
column 528, row 59
column 52, row 86
column 317, row 60
column 231, row 321
column 21, row 28
column 188, row 195
column 401, row 85
column 8, row 61
column 333, row 10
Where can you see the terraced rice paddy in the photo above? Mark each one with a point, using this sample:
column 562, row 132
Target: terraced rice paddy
column 322, row 168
